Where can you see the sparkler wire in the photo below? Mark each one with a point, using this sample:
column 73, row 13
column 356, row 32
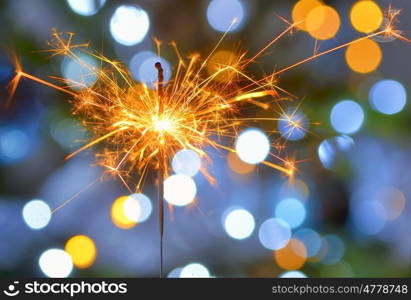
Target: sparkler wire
column 160, row 170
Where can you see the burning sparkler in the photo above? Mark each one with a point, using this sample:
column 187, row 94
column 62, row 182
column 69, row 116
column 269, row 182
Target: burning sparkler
column 139, row 128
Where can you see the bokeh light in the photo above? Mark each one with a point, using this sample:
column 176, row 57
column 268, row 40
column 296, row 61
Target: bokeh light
column 363, row 56
column 330, row 149
column 311, row 240
column 292, row 256
column 366, row 16
column 129, row 24
column 252, row 146
column 148, row 74
column 292, row 211
column 323, row 22
column 237, row 165
column 332, row 251
column 388, row 97
column 68, row 133
column 274, row 234
column 55, row 263
column 137, row 60
column 131, row 209
column 175, row 273
column 82, row 250
column 301, row 10
column 118, row 215
column 392, row 200
column 14, row 145
column 347, row 117
column 293, row 125
column 77, row 71
column 293, row 274
column 86, row 7
column 222, row 13
column 179, row 190
column 186, row 162
column 194, row 270
column 238, row 223
column 36, row 214
column 142, row 68
column 137, row 207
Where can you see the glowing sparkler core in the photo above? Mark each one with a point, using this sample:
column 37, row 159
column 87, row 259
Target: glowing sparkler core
column 163, row 125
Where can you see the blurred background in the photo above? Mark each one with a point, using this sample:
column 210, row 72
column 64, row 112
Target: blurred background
column 347, row 214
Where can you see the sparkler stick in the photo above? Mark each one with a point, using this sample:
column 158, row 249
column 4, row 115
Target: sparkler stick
column 160, row 170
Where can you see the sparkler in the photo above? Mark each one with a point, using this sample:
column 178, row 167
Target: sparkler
column 139, row 129
column 160, row 172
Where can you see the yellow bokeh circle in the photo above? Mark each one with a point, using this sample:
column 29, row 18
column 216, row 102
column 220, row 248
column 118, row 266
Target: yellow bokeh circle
column 82, row 250
column 363, row 56
column 323, row 22
column 366, row 16
column 118, row 215
column 301, row 10
column 219, row 65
